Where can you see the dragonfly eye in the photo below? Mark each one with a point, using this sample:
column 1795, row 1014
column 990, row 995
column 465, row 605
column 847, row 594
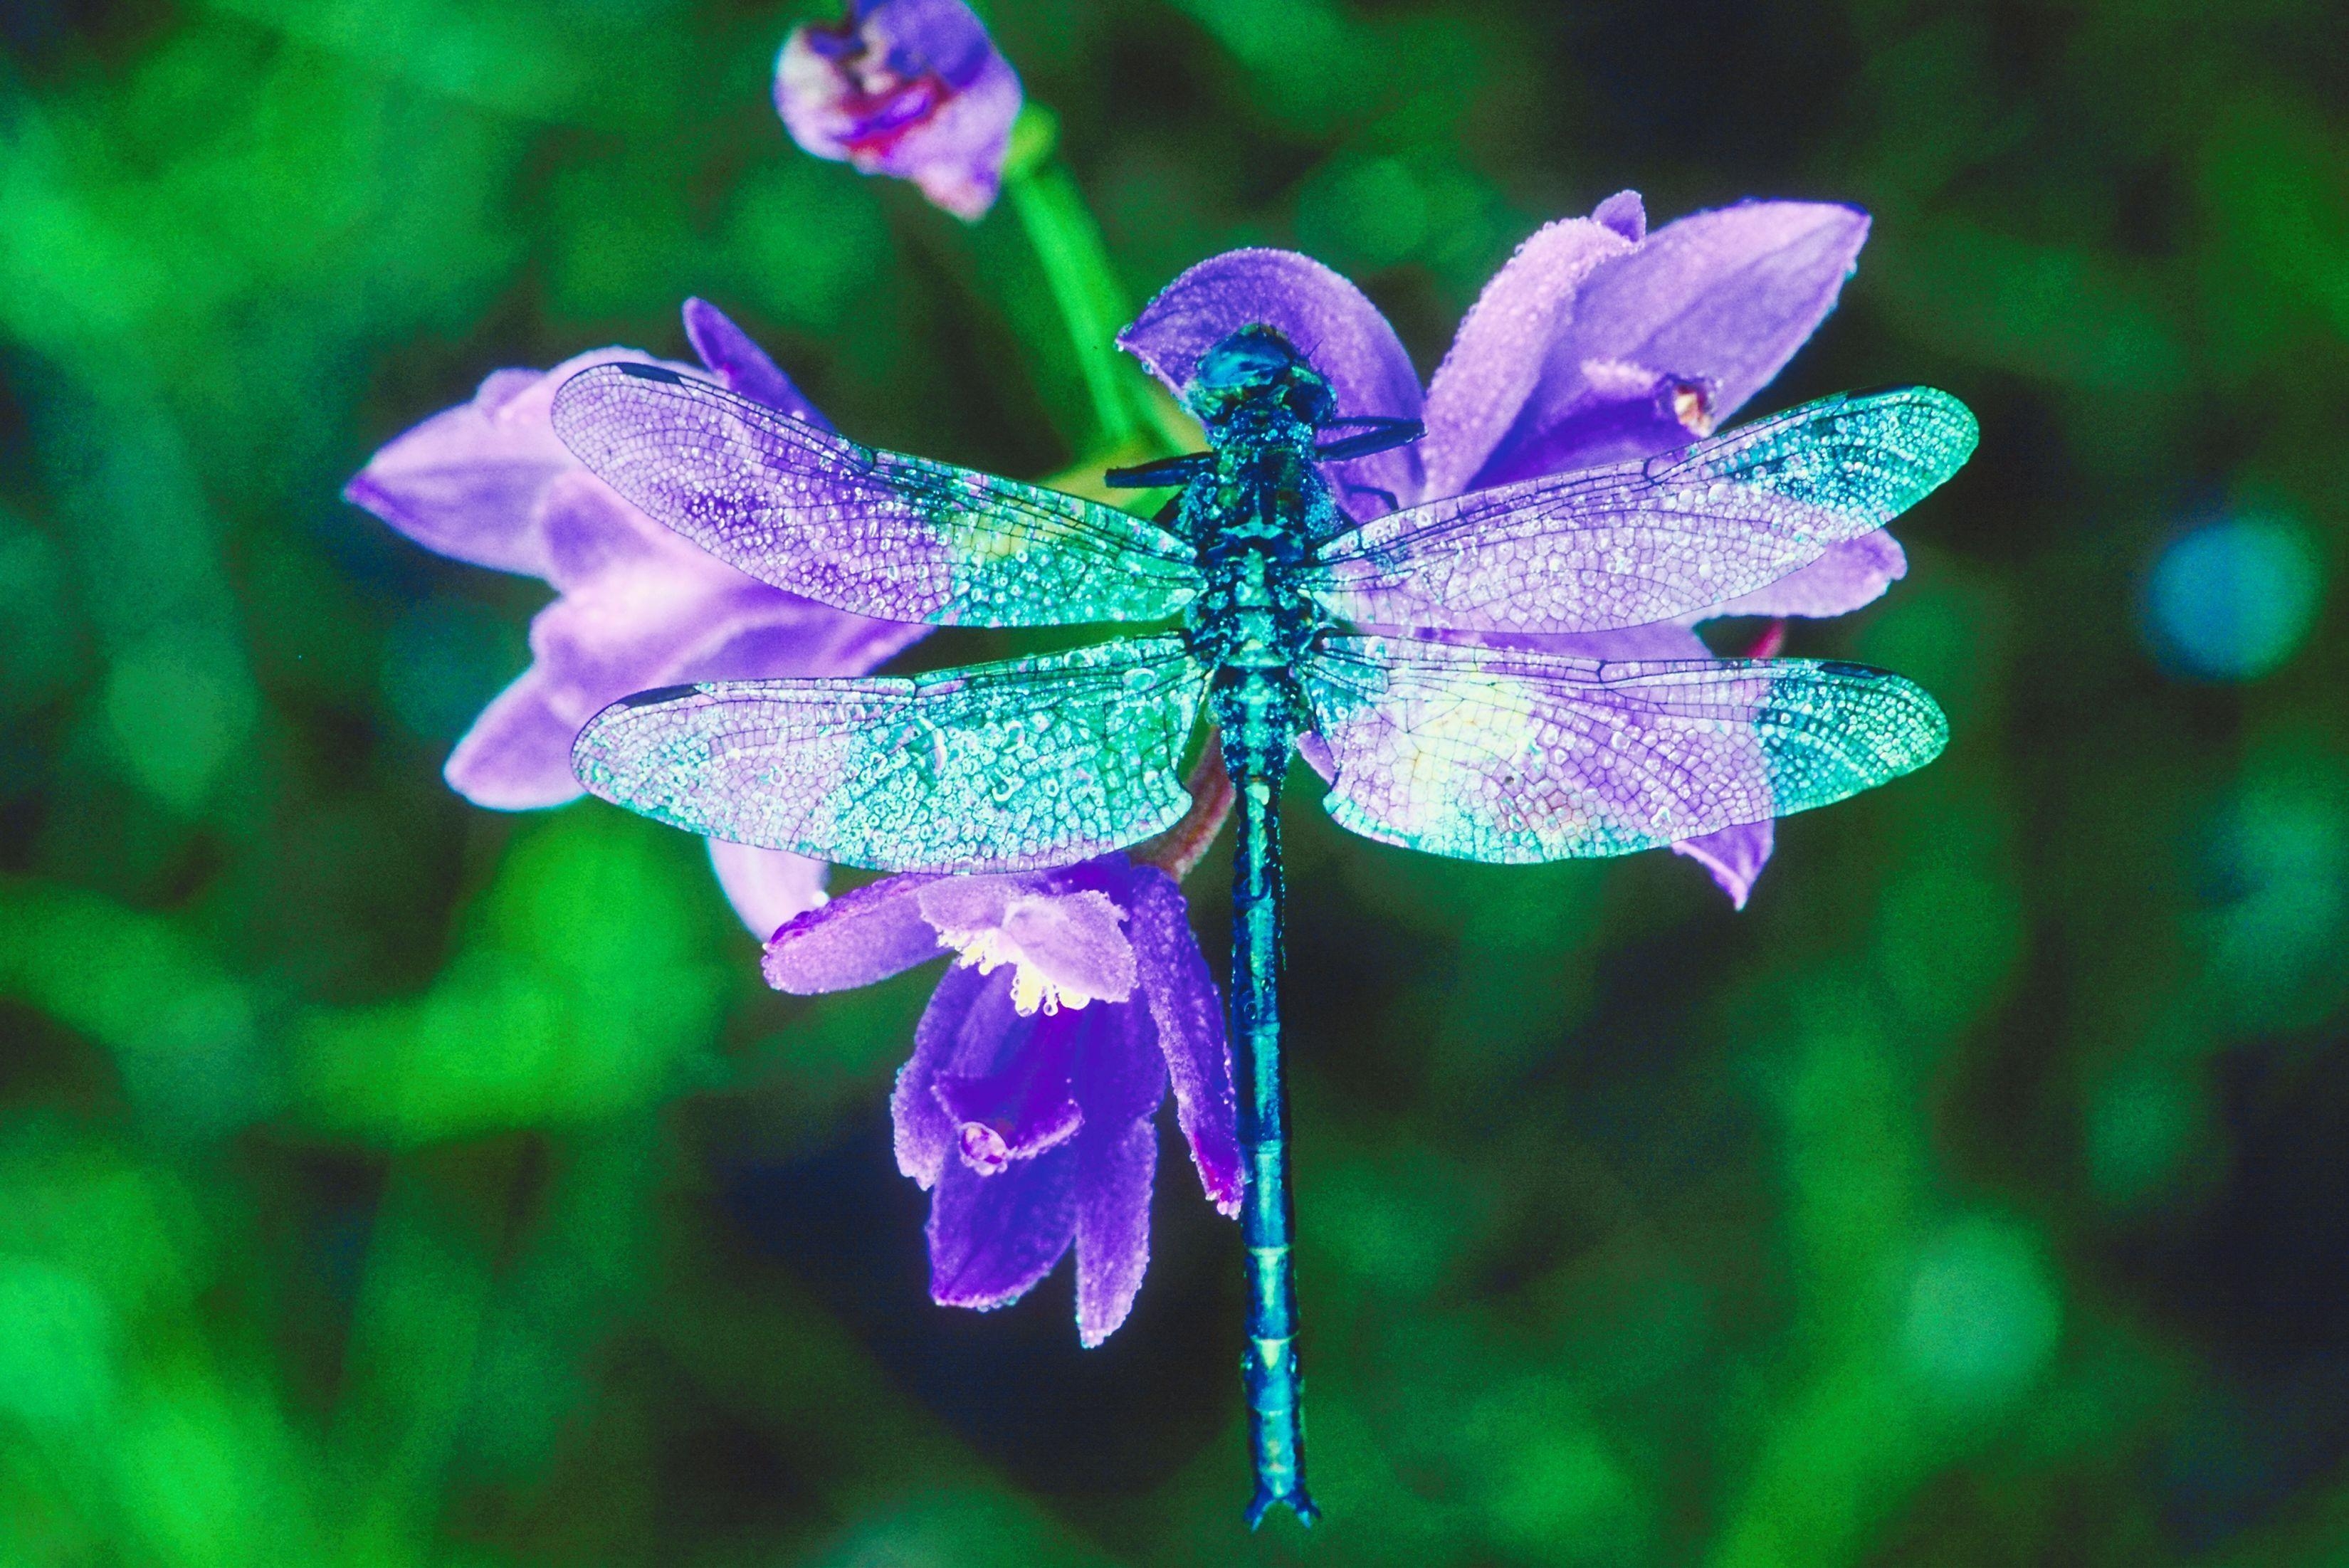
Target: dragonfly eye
column 1256, row 362
column 1310, row 397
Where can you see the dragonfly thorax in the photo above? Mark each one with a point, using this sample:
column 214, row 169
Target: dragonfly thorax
column 1254, row 512
column 1259, row 491
column 1257, row 507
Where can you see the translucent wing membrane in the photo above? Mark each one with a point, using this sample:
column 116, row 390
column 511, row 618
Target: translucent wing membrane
column 1002, row 767
column 1648, row 541
column 895, row 537
column 1487, row 753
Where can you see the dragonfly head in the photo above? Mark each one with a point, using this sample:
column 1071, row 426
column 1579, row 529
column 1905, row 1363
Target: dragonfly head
column 1256, row 365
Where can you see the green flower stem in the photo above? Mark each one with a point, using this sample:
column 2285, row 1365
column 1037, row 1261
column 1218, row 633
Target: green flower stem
column 1085, row 289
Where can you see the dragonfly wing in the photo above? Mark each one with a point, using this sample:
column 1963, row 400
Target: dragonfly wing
column 1002, row 767
column 1648, row 541
column 882, row 534
column 1488, row 754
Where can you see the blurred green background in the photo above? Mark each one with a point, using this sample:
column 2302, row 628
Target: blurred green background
column 385, row 1181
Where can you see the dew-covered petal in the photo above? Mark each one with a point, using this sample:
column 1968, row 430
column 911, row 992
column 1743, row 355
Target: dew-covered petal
column 1027, row 1103
column 766, row 887
column 466, row 483
column 1497, row 355
column 864, row 936
column 1075, row 940
column 966, row 1005
column 1114, row 1172
column 993, row 1237
column 971, row 903
column 1188, row 1020
column 1117, row 1069
column 1066, row 947
column 783, row 634
column 1625, row 213
column 1852, row 572
column 910, row 89
column 1328, row 319
column 1316, row 751
column 675, row 615
column 1668, row 339
column 517, row 755
column 587, row 531
column 741, row 365
column 1004, row 1117
column 1734, row 856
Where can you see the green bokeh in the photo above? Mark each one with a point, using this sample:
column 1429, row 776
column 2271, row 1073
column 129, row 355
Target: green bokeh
column 383, row 1180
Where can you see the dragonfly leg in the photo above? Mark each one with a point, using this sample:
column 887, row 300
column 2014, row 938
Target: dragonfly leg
column 1378, row 435
column 1276, row 1392
column 1176, row 471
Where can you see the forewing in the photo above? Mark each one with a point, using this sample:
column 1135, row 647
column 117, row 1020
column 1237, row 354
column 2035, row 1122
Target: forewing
column 1485, row 754
column 1001, row 767
column 1648, row 541
column 882, row 534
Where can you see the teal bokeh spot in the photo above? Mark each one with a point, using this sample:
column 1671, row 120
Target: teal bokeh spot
column 2232, row 600
column 1983, row 1315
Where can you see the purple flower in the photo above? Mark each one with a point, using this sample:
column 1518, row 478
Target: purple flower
column 910, row 89
column 1598, row 342
column 1076, row 998
column 638, row 607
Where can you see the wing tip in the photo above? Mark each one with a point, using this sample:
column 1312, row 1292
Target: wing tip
column 1961, row 432
column 1927, row 734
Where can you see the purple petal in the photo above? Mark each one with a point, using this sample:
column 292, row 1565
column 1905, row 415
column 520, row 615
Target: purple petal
column 910, row 89
column 867, row 935
column 587, row 531
column 517, row 755
column 1119, row 1072
column 938, row 37
column 1027, row 1104
column 1496, row 357
column 993, row 1237
column 1005, row 1118
column 926, row 1134
column 1316, row 751
column 627, row 630
column 743, row 365
column 1065, row 939
column 789, row 636
column 672, row 615
column 1115, row 1172
column 1734, row 856
column 969, row 903
column 1328, row 320
column 1851, row 573
column 1673, row 336
column 1074, row 939
column 1625, row 213
column 1189, row 1021
column 466, row 482
column 766, row 887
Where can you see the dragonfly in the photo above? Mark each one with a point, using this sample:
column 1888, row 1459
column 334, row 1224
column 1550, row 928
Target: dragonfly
column 1256, row 598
